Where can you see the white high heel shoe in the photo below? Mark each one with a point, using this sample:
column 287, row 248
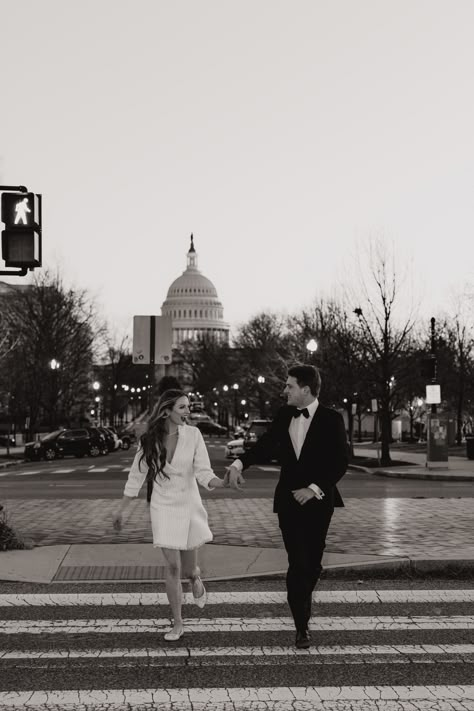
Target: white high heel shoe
column 201, row 600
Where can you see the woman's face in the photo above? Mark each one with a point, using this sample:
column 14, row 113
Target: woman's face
column 180, row 411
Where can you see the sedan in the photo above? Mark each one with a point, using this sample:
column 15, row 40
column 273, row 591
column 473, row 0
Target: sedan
column 234, row 448
column 67, row 442
column 210, row 428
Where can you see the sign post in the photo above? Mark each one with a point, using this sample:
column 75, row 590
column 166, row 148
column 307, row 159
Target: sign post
column 152, row 344
column 437, row 432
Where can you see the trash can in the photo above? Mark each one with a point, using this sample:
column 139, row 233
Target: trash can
column 470, row 447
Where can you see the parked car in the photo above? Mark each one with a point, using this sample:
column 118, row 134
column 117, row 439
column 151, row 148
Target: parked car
column 111, row 438
column 127, row 438
column 234, row 448
column 7, row 440
column 256, row 429
column 60, row 443
column 210, row 428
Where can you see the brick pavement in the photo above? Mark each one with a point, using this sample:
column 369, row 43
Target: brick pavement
column 391, row 527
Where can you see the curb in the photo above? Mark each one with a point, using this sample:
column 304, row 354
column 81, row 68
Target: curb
column 423, row 475
column 12, row 463
column 405, row 567
column 403, row 474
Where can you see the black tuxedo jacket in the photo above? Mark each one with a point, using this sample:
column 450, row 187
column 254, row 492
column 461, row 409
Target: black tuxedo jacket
column 323, row 460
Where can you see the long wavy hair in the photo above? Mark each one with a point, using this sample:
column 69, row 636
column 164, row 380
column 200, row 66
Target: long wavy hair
column 152, row 441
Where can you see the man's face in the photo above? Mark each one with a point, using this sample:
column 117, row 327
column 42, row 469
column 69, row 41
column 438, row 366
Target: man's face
column 295, row 395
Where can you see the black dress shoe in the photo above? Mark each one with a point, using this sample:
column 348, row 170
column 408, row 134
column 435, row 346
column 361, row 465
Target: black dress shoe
column 303, row 639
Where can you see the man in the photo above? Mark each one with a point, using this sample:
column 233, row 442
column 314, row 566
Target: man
column 311, row 445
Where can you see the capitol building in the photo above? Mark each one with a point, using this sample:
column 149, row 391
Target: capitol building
column 194, row 307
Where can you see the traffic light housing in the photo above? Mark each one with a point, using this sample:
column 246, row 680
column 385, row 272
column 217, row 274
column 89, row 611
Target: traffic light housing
column 21, row 240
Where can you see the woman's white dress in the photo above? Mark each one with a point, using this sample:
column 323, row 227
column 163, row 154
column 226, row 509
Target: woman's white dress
column 178, row 517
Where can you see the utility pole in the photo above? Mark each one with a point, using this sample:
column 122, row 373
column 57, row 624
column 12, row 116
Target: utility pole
column 433, row 352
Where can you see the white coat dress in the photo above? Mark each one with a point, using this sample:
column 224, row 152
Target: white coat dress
column 178, row 517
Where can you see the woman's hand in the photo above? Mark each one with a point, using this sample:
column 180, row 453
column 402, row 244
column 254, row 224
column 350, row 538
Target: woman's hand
column 216, row 483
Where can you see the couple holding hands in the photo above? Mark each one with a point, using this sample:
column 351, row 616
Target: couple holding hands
column 310, row 443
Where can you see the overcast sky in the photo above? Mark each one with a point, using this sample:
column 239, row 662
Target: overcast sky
column 279, row 133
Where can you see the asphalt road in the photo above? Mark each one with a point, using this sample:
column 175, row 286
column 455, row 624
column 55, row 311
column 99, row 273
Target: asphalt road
column 397, row 642
column 104, row 477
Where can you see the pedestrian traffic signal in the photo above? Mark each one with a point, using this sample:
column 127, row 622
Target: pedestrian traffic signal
column 21, row 240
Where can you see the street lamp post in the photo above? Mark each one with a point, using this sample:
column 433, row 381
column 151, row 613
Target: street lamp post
column 54, row 365
column 261, row 399
column 96, row 388
column 235, row 388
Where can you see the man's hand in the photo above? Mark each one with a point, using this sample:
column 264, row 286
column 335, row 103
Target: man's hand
column 233, row 477
column 302, row 496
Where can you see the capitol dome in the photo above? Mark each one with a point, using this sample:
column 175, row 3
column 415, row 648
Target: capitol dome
column 194, row 306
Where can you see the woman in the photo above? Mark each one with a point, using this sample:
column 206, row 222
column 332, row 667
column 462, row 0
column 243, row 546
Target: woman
column 174, row 457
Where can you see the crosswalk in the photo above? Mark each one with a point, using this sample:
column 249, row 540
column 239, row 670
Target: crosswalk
column 384, row 649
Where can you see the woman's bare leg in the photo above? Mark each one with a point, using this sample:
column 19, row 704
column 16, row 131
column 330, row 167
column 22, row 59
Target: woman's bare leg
column 192, row 571
column 173, row 585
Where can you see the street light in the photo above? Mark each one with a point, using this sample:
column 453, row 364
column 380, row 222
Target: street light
column 96, row 385
column 54, row 364
column 311, row 348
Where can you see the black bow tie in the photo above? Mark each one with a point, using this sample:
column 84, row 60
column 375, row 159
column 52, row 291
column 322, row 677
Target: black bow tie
column 304, row 412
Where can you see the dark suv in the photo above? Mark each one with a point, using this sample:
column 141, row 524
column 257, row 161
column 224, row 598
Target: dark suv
column 78, row 443
column 256, row 429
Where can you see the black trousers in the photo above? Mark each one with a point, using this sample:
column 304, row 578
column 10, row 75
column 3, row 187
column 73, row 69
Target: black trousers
column 304, row 536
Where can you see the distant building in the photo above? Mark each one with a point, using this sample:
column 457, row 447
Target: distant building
column 194, row 306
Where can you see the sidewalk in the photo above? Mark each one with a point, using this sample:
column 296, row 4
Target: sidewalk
column 75, row 541
column 456, row 469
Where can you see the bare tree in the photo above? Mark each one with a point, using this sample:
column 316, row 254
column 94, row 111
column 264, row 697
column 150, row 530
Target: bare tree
column 385, row 336
column 56, row 331
column 455, row 351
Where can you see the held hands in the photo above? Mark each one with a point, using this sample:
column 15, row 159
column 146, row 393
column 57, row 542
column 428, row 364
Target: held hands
column 302, row 496
column 233, row 478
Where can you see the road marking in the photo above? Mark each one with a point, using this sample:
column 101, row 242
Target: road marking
column 269, row 469
column 64, row 471
column 237, row 624
column 399, row 650
column 237, row 598
column 11, row 472
column 99, row 469
column 283, row 698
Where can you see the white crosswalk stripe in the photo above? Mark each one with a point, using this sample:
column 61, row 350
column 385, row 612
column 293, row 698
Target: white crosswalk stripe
column 370, row 698
column 240, row 598
column 373, row 650
column 236, row 624
column 400, row 650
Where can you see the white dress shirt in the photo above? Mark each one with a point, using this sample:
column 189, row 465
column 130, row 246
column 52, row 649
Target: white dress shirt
column 297, row 430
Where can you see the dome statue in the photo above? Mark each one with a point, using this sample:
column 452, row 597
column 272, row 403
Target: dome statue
column 194, row 306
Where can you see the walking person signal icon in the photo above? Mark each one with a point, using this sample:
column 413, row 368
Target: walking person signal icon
column 21, row 240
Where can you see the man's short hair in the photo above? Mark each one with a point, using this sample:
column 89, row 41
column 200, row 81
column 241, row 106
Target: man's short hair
column 306, row 375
